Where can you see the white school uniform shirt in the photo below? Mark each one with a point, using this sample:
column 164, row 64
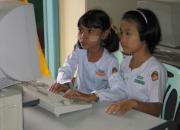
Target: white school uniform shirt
column 138, row 83
column 91, row 76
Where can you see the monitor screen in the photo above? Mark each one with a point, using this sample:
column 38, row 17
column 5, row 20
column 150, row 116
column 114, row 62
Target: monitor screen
column 19, row 57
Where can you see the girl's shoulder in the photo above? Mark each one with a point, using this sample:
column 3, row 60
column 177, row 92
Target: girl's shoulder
column 153, row 61
column 109, row 57
column 155, row 65
column 79, row 50
column 126, row 60
column 107, row 54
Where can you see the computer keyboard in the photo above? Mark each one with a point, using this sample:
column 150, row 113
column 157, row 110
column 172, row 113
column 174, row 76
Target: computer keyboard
column 54, row 103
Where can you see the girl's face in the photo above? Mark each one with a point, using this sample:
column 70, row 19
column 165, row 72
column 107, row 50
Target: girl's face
column 130, row 38
column 90, row 38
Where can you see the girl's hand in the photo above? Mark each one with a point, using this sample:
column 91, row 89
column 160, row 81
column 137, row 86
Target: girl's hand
column 57, row 88
column 121, row 107
column 77, row 95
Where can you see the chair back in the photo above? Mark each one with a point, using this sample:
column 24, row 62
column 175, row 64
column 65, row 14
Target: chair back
column 177, row 117
column 119, row 56
column 168, row 125
column 172, row 95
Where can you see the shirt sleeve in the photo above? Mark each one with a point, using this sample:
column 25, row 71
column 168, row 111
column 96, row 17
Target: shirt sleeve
column 115, row 92
column 157, row 82
column 66, row 72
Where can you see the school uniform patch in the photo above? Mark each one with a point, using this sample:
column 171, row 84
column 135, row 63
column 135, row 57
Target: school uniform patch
column 100, row 73
column 140, row 80
column 114, row 70
column 154, row 76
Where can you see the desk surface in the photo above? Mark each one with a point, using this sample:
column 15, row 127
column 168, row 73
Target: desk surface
column 36, row 118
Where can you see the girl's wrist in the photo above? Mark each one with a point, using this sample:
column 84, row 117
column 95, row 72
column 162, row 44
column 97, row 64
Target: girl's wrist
column 134, row 103
column 94, row 97
column 65, row 87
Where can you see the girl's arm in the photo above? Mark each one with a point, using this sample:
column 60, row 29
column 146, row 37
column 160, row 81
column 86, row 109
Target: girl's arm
column 66, row 72
column 152, row 108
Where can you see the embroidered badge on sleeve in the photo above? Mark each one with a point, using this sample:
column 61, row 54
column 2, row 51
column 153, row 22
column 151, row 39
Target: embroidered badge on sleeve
column 154, row 76
column 114, row 70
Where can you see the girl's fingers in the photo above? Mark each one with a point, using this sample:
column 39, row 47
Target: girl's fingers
column 112, row 109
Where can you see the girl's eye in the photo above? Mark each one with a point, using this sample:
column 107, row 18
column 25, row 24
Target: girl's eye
column 90, row 30
column 127, row 33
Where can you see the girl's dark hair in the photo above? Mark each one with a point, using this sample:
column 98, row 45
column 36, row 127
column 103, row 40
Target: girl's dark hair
column 147, row 24
column 97, row 18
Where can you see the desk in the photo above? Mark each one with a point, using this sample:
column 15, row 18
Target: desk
column 36, row 118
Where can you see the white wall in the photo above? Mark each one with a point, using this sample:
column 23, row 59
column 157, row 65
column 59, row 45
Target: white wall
column 70, row 11
column 115, row 8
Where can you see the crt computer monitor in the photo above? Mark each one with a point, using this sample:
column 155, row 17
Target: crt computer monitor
column 19, row 57
column 169, row 18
